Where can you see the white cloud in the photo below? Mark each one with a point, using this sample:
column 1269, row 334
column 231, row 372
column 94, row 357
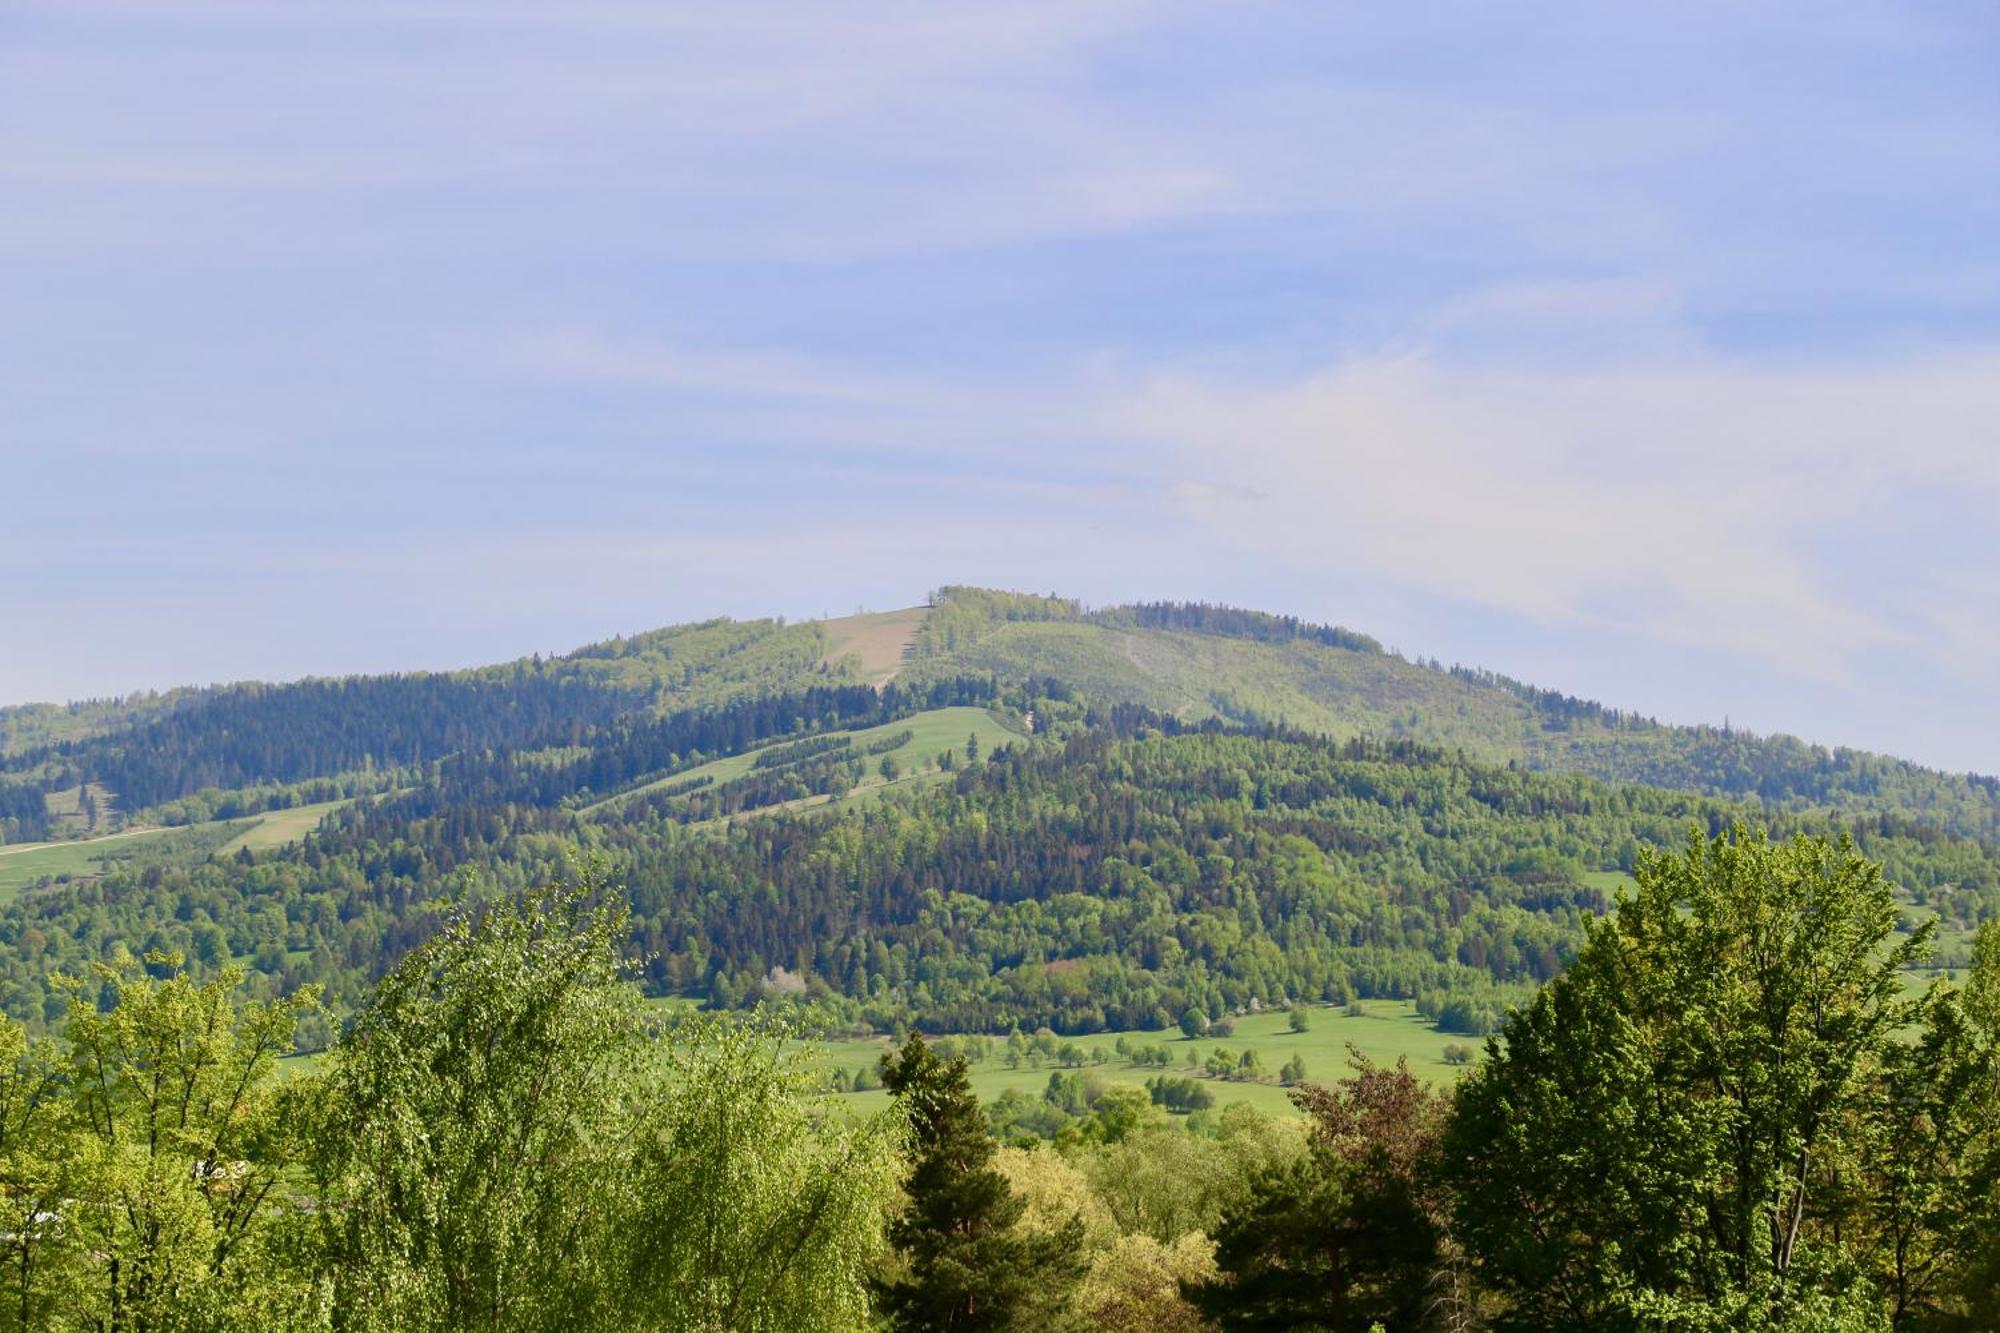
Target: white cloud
column 1691, row 502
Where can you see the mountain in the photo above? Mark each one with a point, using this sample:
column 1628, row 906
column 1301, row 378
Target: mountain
column 995, row 809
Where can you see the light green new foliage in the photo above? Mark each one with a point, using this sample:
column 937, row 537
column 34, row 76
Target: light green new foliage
column 36, row 1175
column 504, row 1145
column 175, row 1147
column 752, row 1204
column 472, row 1123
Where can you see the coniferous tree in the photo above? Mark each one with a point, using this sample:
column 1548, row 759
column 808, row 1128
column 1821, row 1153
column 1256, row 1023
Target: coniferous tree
column 968, row 1266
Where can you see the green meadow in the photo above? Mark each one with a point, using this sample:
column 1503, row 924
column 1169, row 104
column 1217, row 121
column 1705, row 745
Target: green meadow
column 35, row 863
column 931, row 733
column 31, row 863
column 277, row 828
column 1381, row 1030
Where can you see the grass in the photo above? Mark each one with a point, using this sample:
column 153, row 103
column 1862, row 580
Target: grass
column 876, row 641
column 1610, row 882
column 937, row 730
column 33, row 863
column 276, row 828
column 1383, row 1031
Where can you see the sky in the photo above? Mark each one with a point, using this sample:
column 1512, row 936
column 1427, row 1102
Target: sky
column 1648, row 352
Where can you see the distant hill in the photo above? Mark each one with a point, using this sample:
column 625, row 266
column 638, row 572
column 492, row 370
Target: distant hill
column 991, row 809
column 1190, row 661
column 1196, row 661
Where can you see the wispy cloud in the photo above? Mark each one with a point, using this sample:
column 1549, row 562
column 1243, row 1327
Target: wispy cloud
column 1667, row 340
column 1686, row 501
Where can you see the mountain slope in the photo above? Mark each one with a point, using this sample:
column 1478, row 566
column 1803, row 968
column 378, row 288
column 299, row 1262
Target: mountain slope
column 1197, row 661
column 1045, row 815
column 240, row 749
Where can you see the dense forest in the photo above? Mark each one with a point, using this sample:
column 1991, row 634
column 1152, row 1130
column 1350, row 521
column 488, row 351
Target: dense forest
column 396, row 1065
column 1121, row 876
column 193, row 754
column 1728, row 1113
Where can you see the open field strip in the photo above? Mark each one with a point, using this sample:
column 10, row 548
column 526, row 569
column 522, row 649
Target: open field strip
column 930, row 732
column 275, row 828
column 31, row 863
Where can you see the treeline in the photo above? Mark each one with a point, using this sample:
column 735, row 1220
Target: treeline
column 248, row 735
column 24, row 812
column 1727, row 1115
column 614, row 758
column 1234, row 623
column 1783, row 773
column 1139, row 871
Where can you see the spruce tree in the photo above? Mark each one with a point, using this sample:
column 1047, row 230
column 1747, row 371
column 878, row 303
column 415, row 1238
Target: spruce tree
column 967, row 1266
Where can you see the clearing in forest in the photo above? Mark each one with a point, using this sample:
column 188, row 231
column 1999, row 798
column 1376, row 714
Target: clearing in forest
column 928, row 733
column 877, row 641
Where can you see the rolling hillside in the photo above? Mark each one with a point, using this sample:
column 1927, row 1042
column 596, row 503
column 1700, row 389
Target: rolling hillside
column 1190, row 662
column 990, row 810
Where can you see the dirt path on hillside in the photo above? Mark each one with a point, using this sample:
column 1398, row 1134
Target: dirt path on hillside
column 78, row 842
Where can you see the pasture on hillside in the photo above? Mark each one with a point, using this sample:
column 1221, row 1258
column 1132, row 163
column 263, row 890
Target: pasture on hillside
column 931, row 733
column 36, row 863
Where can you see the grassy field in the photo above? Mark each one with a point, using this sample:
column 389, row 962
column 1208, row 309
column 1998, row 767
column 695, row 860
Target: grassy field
column 1383, row 1031
column 31, row 863
column 876, row 641
column 280, row 827
column 931, row 732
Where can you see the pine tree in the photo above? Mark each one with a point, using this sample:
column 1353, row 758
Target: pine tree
column 968, row 1265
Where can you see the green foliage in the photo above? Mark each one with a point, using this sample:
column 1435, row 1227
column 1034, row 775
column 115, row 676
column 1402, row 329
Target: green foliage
column 966, row 1265
column 171, row 1143
column 749, row 1204
column 471, row 1122
column 1685, row 1114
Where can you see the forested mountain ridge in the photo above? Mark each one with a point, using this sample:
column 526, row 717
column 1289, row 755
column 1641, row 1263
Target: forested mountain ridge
column 240, row 744
column 1195, row 661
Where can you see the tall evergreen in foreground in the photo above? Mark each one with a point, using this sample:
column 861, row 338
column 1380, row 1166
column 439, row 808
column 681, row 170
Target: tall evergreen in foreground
column 967, row 1266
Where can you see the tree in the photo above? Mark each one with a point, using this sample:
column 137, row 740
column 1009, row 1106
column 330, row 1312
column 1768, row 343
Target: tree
column 751, row 1203
column 1350, row 1235
column 1935, row 1158
column 38, row 1157
column 1668, row 1133
column 180, row 1138
column 966, row 1264
column 471, row 1128
column 1298, row 1020
column 972, row 748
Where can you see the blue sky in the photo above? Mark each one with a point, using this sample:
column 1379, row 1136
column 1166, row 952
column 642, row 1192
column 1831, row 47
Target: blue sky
column 1649, row 352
